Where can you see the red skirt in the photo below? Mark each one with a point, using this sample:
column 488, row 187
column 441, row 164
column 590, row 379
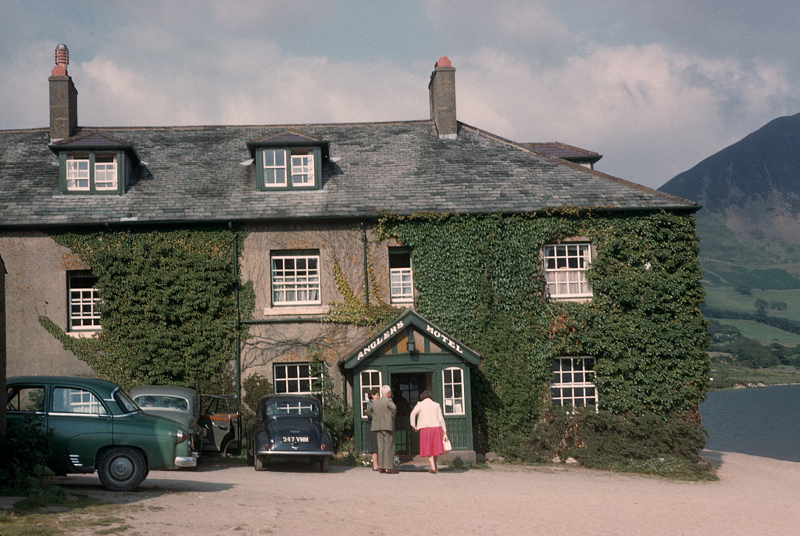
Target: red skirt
column 430, row 441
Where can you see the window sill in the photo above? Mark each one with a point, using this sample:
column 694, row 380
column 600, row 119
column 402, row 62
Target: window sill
column 297, row 310
column 582, row 299
column 83, row 334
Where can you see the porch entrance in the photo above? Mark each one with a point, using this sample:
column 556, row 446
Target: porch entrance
column 406, row 388
column 411, row 355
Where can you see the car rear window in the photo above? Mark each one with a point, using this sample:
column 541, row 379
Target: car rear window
column 299, row 408
column 163, row 402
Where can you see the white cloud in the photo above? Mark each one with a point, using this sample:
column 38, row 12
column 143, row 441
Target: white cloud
column 249, row 90
column 526, row 27
column 652, row 112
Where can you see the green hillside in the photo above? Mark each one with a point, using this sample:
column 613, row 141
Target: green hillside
column 749, row 239
column 745, row 262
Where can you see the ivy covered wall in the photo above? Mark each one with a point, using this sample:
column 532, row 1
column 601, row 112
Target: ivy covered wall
column 481, row 278
column 168, row 303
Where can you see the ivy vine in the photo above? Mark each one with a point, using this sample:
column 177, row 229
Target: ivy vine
column 354, row 309
column 481, row 278
column 168, row 303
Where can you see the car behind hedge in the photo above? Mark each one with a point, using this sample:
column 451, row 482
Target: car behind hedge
column 95, row 426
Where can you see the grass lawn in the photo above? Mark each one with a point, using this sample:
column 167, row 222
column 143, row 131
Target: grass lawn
column 726, row 376
column 761, row 332
column 727, row 299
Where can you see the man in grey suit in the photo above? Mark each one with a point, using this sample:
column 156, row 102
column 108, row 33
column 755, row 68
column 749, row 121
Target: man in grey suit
column 383, row 412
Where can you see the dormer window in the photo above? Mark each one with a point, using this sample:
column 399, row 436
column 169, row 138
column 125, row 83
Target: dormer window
column 86, row 172
column 289, row 161
column 94, row 164
column 300, row 168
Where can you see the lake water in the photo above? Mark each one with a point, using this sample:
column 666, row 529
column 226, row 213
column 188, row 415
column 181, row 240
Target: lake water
column 763, row 421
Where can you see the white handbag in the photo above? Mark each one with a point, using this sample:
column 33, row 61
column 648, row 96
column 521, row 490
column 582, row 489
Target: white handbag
column 446, row 443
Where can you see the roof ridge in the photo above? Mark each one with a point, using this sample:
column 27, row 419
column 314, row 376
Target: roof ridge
column 287, row 126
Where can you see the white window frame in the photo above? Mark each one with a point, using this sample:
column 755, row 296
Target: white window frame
column 293, row 285
column 105, row 172
column 83, row 306
column 96, row 171
column 401, row 278
column 275, row 171
column 302, row 169
column 294, row 378
column 453, row 391
column 78, row 177
column 573, row 382
column 370, row 379
column 565, row 267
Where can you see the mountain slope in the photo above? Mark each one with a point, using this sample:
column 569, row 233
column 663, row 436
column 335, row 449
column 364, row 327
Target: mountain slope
column 762, row 164
column 749, row 226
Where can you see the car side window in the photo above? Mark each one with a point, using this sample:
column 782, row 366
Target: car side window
column 28, row 399
column 70, row 400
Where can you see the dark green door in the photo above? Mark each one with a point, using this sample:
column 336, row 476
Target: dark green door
column 81, row 425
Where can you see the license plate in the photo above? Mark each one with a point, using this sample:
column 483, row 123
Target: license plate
column 294, row 439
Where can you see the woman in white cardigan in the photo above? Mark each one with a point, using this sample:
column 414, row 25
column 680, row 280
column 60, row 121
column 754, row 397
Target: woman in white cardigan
column 428, row 419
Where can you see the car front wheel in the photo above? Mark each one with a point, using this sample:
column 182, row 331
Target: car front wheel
column 122, row 469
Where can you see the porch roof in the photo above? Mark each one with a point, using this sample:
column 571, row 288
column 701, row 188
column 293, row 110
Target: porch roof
column 410, row 317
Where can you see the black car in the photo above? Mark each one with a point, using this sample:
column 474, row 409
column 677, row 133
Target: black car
column 288, row 427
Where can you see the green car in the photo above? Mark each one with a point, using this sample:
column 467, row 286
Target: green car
column 95, row 426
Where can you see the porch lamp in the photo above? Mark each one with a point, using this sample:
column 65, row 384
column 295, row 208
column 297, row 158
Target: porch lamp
column 411, row 345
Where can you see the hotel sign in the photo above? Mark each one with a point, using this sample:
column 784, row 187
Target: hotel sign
column 395, row 329
column 380, row 339
column 444, row 339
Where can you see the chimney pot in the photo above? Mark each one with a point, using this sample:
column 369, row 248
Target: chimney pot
column 444, row 61
column 62, row 55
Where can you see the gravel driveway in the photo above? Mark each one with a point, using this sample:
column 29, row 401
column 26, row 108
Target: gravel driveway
column 754, row 496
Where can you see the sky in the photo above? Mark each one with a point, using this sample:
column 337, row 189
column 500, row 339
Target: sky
column 655, row 87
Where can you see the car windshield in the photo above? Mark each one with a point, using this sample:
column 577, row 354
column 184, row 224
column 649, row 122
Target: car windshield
column 295, row 408
column 162, row 402
column 124, row 401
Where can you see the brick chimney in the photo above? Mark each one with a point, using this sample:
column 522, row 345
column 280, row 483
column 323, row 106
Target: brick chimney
column 63, row 98
column 442, row 91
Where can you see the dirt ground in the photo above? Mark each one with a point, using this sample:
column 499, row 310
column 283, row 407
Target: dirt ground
column 753, row 496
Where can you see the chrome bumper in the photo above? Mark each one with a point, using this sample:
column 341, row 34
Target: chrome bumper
column 294, row 453
column 185, row 461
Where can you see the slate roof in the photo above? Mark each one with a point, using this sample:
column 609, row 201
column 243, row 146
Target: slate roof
column 562, row 150
column 201, row 174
